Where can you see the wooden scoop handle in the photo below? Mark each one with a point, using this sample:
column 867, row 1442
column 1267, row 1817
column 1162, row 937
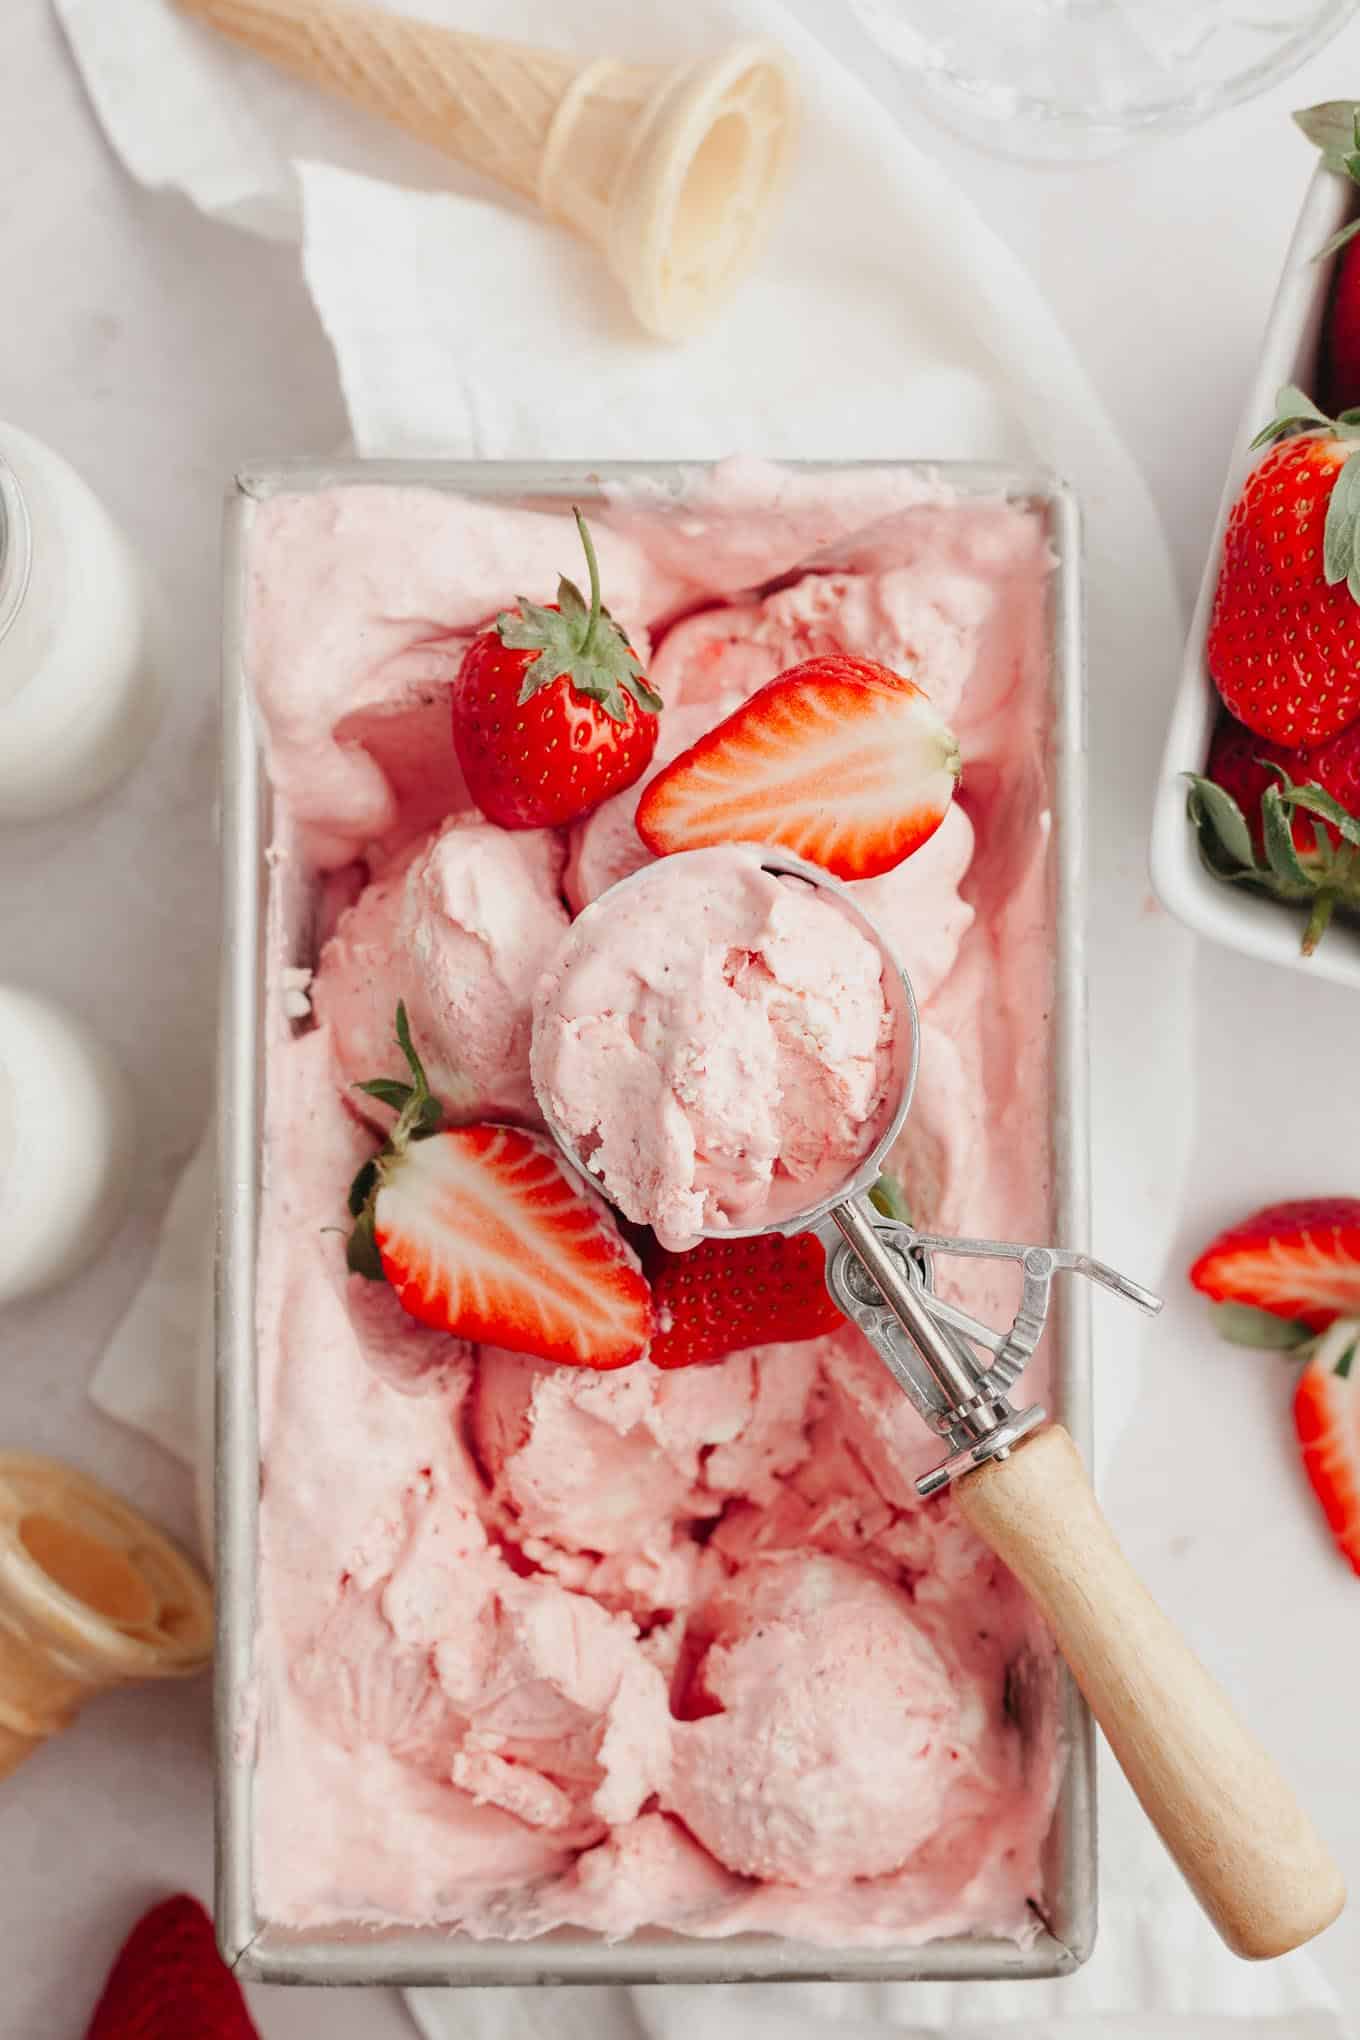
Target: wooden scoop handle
column 1246, row 1848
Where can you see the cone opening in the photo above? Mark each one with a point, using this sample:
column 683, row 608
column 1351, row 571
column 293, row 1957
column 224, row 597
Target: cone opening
column 717, row 178
column 101, row 1578
column 722, row 197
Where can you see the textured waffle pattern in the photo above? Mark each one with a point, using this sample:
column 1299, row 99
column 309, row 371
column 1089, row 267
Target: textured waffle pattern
column 485, row 102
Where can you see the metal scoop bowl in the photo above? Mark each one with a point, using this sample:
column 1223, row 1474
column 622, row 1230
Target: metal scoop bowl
column 881, row 1271
column 1227, row 1816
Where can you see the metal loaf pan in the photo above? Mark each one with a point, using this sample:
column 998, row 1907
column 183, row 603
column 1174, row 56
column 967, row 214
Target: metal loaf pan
column 357, row 1954
column 1289, row 354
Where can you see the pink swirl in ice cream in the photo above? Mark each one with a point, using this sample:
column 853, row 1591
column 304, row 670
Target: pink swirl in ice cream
column 710, row 1035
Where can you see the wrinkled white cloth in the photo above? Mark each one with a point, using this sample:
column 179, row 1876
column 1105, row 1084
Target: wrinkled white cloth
column 884, row 320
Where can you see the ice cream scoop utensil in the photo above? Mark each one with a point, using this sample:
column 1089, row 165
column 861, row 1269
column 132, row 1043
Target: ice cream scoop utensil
column 1227, row 1816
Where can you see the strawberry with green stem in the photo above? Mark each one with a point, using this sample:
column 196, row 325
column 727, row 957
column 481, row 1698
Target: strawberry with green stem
column 551, row 711
column 1284, row 652
column 1287, row 1280
column 1283, row 646
column 1296, row 840
column 484, row 1233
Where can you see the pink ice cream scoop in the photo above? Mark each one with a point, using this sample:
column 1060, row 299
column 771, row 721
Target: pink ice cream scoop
column 818, row 1682
column 719, row 1044
column 459, row 932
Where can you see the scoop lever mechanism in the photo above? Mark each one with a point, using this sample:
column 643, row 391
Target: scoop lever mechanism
column 881, row 1274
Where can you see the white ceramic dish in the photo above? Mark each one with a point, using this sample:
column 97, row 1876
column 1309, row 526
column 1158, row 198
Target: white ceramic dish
column 1230, row 914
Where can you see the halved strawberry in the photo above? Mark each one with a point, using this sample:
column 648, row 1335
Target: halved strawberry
column 1298, row 1260
column 482, row 1232
column 839, row 760
column 1327, row 1421
column 724, row 1295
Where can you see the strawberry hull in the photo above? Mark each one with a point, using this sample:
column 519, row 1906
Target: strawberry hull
column 1291, row 353
column 283, row 916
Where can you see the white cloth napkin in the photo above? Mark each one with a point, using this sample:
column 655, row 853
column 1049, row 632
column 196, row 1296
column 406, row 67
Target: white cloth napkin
column 885, row 319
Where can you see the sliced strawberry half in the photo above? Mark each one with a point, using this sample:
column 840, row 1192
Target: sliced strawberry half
column 482, row 1232
column 1327, row 1420
column 1297, row 1260
column 725, row 1295
column 838, row 760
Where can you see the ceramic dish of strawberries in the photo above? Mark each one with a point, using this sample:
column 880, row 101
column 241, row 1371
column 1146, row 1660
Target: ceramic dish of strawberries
column 1256, row 834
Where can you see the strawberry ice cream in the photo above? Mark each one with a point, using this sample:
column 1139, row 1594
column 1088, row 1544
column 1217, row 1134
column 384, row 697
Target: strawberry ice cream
column 459, row 931
column 733, row 1068
column 820, row 1679
column 538, row 1647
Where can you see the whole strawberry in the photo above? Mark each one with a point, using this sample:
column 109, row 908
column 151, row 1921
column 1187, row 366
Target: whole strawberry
column 1282, row 822
column 1284, row 636
column 551, row 713
column 170, row 1983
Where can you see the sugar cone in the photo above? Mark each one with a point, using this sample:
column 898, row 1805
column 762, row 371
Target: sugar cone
column 671, row 171
column 92, row 1595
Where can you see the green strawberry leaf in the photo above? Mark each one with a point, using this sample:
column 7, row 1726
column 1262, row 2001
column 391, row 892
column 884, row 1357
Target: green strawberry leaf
column 1281, row 854
column 1318, row 921
column 889, row 1201
column 1347, row 1360
column 361, row 1189
column 421, row 1113
column 1333, row 128
column 361, row 1251
column 1244, row 1326
column 570, row 600
column 1220, row 821
column 579, row 643
column 427, row 1118
column 1341, row 533
column 387, row 1091
column 1292, row 407
column 1314, row 801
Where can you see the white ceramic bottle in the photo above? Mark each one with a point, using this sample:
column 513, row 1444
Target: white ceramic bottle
column 79, row 693
column 66, row 1144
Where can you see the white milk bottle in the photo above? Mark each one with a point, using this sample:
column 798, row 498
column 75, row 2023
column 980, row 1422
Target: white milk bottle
column 67, row 1144
column 79, row 693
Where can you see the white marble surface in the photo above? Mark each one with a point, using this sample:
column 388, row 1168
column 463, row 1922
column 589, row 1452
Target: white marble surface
column 157, row 352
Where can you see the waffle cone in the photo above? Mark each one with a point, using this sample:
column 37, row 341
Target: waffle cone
column 670, row 171
column 92, row 1595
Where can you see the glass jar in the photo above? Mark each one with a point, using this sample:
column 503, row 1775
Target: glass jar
column 79, row 692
